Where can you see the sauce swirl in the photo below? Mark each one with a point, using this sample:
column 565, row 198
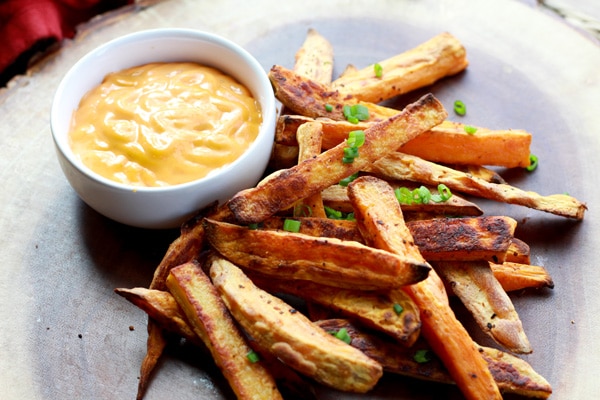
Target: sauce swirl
column 163, row 124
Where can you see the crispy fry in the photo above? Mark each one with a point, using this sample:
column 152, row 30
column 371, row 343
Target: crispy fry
column 314, row 59
column 481, row 293
column 372, row 309
column 329, row 261
column 309, row 144
column 438, row 239
column 441, row 56
column 383, row 227
column 315, row 174
column 515, row 276
column 309, row 98
column 291, row 336
column 162, row 308
column 211, row 321
column 446, row 143
column 480, row 238
column 185, row 248
column 406, row 167
column 512, row 374
column 449, row 143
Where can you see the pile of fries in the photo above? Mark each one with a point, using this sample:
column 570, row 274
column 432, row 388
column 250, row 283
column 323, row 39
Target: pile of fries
column 327, row 227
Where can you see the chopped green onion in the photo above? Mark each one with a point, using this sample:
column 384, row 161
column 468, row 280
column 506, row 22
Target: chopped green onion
column 253, row 356
column 378, row 70
column 422, row 356
column 460, row 108
column 346, row 181
column 356, row 138
column 336, row 214
column 354, row 141
column 443, row 195
column 333, row 213
column 351, row 152
column 343, row 335
column 291, row 225
column 533, row 162
column 398, row 309
column 404, row 195
column 328, row 107
column 470, row 129
column 356, row 113
column 422, row 195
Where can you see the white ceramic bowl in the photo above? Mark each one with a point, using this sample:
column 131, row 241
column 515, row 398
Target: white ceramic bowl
column 164, row 207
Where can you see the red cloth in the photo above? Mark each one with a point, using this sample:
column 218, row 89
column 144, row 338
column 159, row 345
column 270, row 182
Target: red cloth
column 24, row 24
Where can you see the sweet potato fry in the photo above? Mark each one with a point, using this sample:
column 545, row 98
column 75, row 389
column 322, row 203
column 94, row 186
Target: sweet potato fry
column 446, row 143
column 314, row 59
column 314, row 175
column 309, row 144
column 183, row 249
column 162, row 308
column 449, row 143
column 290, row 336
column 402, row 166
column 306, row 97
column 466, row 239
column 391, row 312
column 441, row 56
column 382, row 225
column 329, row 261
column 481, row 293
column 512, row 374
column 213, row 324
column 438, row 239
column 515, row 276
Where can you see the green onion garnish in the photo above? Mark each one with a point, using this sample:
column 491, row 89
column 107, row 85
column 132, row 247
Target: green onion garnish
column 422, row 195
column 398, row 309
column 343, row 335
column 378, row 70
column 356, row 138
column 356, row 113
column 470, row 129
column 336, row 214
column 253, row 356
column 333, row 213
column 328, row 107
column 346, row 181
column 422, row 356
column 354, row 141
column 443, row 195
column 291, row 225
column 533, row 162
column 460, row 108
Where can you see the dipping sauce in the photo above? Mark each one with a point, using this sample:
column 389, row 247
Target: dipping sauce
column 164, row 124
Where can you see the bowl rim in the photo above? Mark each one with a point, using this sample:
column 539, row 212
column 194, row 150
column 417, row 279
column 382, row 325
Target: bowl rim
column 267, row 103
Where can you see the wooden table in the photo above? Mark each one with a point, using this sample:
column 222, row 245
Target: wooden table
column 65, row 334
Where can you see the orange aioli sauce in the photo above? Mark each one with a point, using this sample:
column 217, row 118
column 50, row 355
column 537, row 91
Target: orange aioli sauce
column 164, row 124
